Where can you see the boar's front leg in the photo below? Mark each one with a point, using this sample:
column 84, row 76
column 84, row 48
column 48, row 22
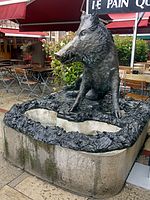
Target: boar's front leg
column 115, row 93
column 84, row 88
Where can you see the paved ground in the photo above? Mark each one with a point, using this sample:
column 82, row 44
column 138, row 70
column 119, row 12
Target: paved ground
column 16, row 184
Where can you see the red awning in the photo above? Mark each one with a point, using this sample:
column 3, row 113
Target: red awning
column 12, row 9
column 17, row 33
column 49, row 15
column 54, row 15
column 124, row 23
column 44, row 15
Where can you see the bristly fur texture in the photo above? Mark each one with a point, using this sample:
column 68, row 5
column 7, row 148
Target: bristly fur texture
column 93, row 45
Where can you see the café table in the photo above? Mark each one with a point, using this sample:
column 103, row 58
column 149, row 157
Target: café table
column 43, row 75
column 146, row 72
column 22, row 66
column 4, row 64
column 42, row 69
column 142, row 65
column 138, row 77
column 11, row 68
column 141, row 81
column 41, row 72
column 4, row 60
column 16, row 61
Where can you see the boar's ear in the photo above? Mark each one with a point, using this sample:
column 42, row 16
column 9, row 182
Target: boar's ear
column 83, row 16
column 94, row 13
column 94, row 19
column 83, row 12
column 95, row 16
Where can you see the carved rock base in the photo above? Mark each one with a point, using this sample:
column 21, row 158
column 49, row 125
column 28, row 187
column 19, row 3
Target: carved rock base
column 99, row 175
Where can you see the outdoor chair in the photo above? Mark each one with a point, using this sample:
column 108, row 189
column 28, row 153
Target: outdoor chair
column 138, row 89
column 6, row 79
column 126, row 69
column 44, row 77
column 46, row 83
column 122, row 88
column 27, row 83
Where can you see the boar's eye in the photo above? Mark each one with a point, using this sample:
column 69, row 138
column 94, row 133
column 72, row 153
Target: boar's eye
column 83, row 32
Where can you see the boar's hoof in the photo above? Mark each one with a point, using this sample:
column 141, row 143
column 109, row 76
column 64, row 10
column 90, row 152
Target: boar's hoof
column 72, row 93
column 118, row 113
column 92, row 95
column 57, row 56
column 74, row 108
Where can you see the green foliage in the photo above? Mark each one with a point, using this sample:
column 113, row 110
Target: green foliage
column 63, row 74
column 141, row 53
column 124, row 48
column 67, row 74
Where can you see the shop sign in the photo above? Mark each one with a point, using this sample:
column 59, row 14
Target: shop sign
column 118, row 6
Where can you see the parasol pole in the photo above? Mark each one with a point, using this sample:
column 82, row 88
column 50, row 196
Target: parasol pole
column 134, row 41
column 87, row 6
column 137, row 21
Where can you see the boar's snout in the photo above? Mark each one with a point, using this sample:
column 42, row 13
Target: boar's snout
column 65, row 57
column 60, row 57
column 57, row 56
column 67, row 53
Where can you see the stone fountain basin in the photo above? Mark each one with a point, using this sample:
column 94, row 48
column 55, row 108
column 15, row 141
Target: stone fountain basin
column 98, row 175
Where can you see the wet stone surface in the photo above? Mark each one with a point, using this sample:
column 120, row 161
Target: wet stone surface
column 135, row 117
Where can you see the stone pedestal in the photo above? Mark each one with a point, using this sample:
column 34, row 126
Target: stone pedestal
column 90, row 152
column 99, row 175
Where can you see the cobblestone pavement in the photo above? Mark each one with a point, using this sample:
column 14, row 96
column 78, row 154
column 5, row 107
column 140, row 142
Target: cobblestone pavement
column 15, row 184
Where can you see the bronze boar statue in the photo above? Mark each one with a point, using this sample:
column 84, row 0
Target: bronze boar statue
column 93, row 45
